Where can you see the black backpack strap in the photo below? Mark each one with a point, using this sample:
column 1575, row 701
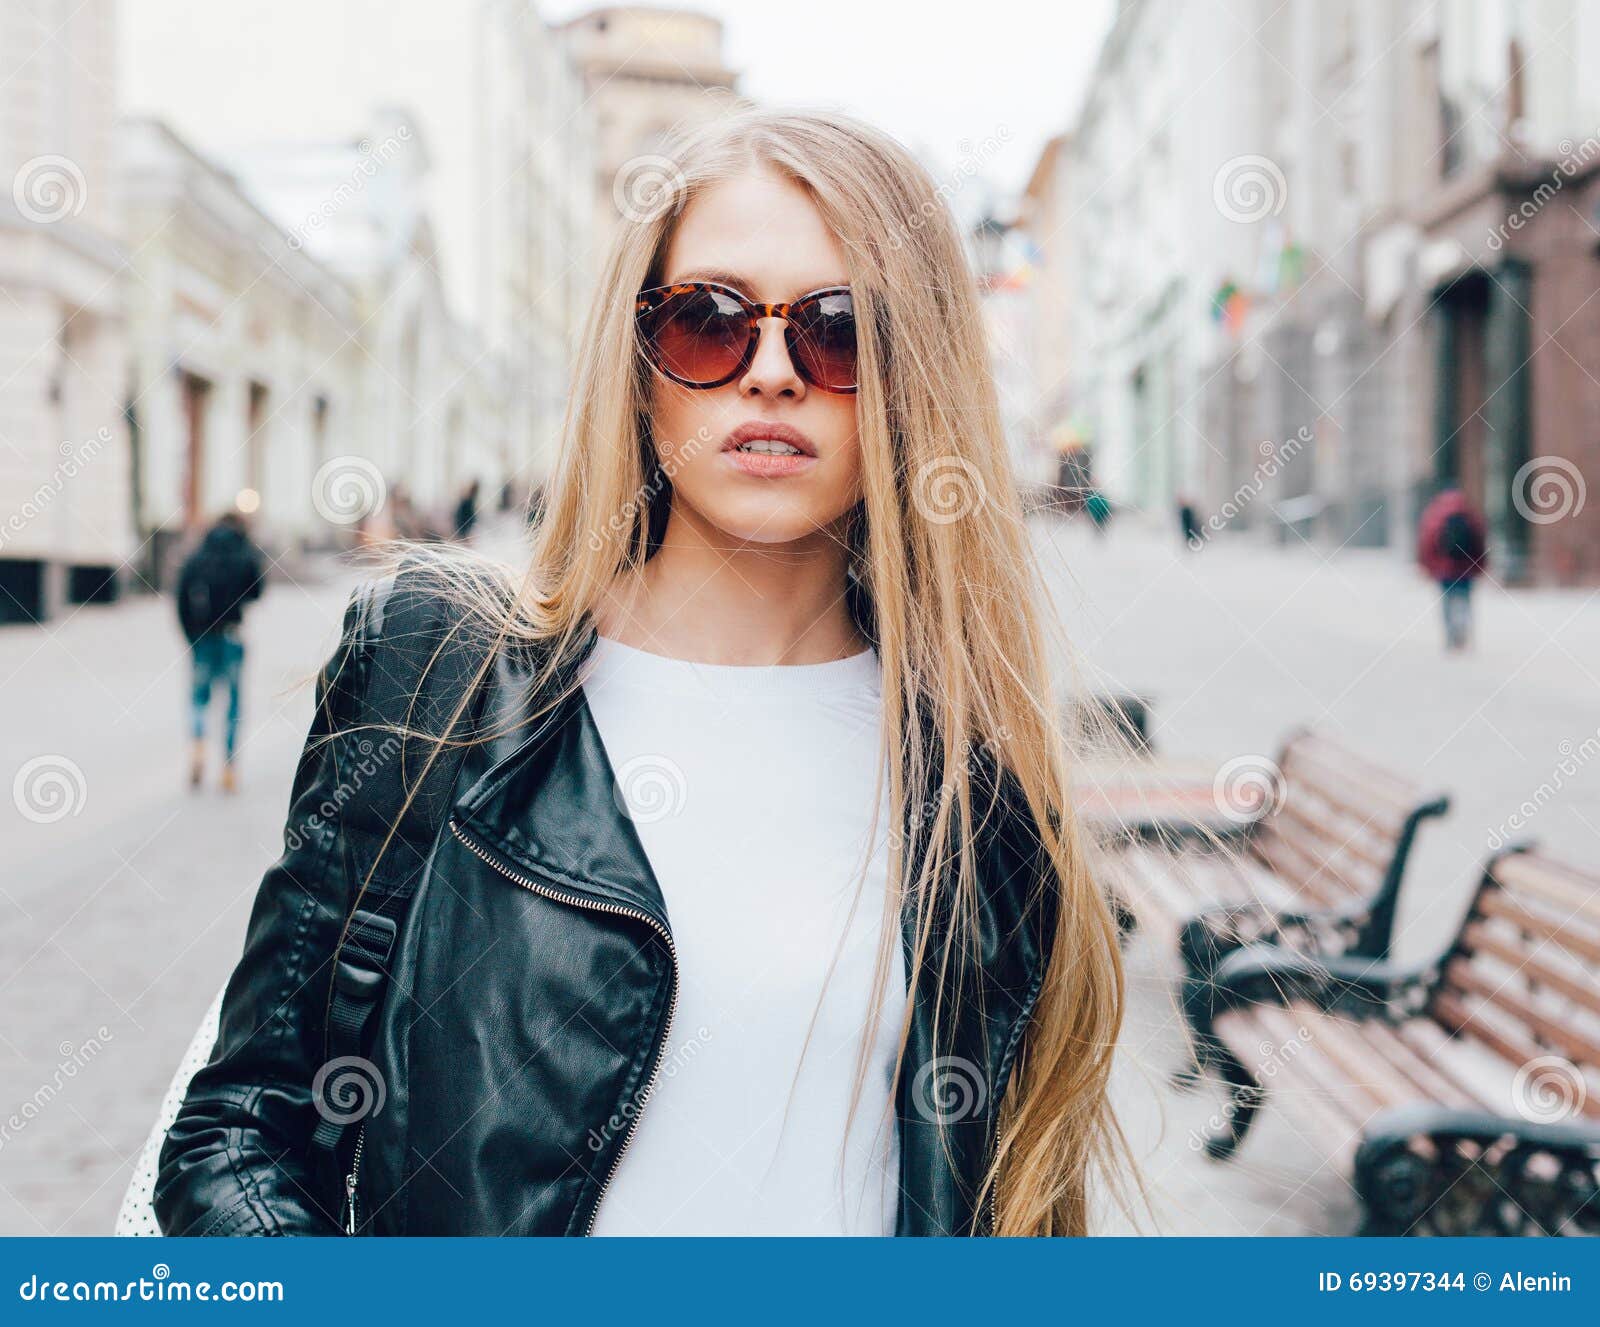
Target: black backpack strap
column 424, row 655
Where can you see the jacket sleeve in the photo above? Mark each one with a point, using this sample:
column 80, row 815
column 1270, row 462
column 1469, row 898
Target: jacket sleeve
column 237, row 1158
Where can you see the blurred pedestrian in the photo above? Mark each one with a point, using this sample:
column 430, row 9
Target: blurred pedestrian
column 216, row 581
column 1099, row 509
column 1452, row 546
column 465, row 519
column 1189, row 522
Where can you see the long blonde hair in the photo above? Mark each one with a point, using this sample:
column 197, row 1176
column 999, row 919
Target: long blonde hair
column 947, row 588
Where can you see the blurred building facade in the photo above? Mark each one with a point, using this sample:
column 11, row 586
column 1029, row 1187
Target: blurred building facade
column 484, row 88
column 431, row 401
column 999, row 252
column 1043, row 218
column 292, row 349
column 65, row 484
column 1300, row 296
column 240, row 352
column 647, row 72
column 247, row 281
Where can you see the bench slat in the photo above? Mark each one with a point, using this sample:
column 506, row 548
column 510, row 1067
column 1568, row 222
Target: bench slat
column 1498, row 995
column 1532, row 965
column 1318, row 885
column 1330, row 762
column 1350, row 835
column 1495, row 903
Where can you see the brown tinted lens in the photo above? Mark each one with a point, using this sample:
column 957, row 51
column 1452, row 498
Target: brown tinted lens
column 697, row 336
column 822, row 339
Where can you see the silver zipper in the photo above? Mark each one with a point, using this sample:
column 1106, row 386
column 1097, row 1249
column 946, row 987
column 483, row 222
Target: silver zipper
column 580, row 901
column 350, row 1181
column 1003, row 1078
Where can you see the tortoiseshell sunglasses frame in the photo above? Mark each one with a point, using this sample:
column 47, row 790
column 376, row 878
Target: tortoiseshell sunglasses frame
column 653, row 298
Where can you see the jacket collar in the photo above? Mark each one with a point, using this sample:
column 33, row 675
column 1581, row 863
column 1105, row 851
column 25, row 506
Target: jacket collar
column 521, row 791
column 525, row 802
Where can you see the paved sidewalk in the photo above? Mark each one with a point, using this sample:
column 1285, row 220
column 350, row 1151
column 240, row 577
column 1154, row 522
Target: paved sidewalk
column 128, row 913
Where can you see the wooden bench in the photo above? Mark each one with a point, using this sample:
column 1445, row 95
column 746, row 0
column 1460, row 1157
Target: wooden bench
column 1315, row 865
column 1464, row 1095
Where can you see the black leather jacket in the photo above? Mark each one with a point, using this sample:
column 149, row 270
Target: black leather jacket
column 528, row 1002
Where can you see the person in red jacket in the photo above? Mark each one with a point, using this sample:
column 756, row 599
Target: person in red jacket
column 1452, row 546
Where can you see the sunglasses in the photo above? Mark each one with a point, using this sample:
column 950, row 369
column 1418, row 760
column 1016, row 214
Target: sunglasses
column 702, row 334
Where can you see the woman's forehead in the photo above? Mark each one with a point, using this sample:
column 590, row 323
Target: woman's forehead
column 760, row 233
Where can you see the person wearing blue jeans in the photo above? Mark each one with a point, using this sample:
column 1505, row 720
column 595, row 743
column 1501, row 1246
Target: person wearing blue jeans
column 218, row 660
column 1457, row 612
column 218, row 579
column 1452, row 546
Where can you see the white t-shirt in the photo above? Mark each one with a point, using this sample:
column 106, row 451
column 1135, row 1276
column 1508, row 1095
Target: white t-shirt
column 751, row 789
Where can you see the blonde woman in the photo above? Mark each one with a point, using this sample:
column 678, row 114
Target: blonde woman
column 750, row 899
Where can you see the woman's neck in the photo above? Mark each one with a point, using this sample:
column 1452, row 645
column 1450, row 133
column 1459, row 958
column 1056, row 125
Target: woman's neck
column 706, row 597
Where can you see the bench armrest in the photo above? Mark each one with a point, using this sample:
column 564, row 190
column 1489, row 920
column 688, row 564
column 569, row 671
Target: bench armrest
column 1480, row 1174
column 1342, row 983
column 1214, row 933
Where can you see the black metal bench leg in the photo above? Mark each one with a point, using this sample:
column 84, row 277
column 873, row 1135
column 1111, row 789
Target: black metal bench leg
column 1201, row 948
column 1245, row 1095
column 1197, row 996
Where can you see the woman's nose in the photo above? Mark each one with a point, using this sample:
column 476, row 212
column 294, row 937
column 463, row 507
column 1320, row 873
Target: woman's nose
column 771, row 370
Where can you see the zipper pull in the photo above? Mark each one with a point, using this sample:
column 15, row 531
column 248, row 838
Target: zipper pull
column 350, row 1203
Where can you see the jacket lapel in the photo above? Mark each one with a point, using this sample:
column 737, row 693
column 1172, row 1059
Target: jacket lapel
column 548, row 801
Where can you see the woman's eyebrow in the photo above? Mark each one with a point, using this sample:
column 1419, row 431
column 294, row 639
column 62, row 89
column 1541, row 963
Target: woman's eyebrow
column 717, row 274
column 740, row 282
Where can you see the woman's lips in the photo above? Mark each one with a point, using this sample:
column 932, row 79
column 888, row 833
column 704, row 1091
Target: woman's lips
column 765, row 466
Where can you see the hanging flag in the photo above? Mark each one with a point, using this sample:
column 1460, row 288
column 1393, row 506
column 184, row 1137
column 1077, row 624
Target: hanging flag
column 1219, row 300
